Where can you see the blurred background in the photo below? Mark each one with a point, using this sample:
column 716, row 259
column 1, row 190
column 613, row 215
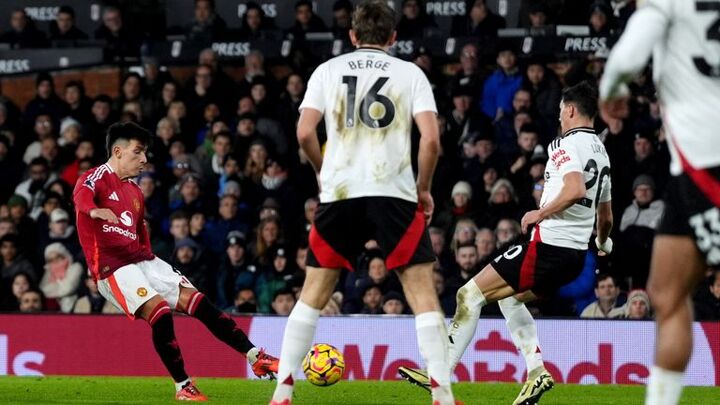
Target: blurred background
column 230, row 198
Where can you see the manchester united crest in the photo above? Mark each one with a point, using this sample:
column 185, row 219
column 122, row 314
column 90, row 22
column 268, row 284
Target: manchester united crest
column 136, row 204
column 141, row 292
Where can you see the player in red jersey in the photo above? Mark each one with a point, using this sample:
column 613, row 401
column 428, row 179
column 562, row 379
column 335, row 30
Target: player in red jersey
column 110, row 207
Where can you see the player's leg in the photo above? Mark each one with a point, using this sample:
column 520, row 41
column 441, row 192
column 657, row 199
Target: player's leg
column 522, row 328
column 486, row 287
column 300, row 327
column 157, row 313
column 420, row 293
column 676, row 268
column 129, row 289
column 224, row 327
column 182, row 296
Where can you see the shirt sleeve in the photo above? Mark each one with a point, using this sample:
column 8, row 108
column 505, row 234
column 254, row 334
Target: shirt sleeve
column 566, row 159
column 630, row 55
column 314, row 96
column 423, row 98
column 84, row 195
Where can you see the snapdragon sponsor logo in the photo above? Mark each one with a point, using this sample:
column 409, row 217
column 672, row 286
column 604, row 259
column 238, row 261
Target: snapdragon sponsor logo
column 116, row 229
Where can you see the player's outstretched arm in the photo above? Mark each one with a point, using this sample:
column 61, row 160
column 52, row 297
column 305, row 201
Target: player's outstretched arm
column 428, row 153
column 604, row 226
column 572, row 190
column 307, row 136
column 632, row 52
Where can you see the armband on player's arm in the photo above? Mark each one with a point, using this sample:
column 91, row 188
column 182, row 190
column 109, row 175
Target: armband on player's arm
column 84, row 199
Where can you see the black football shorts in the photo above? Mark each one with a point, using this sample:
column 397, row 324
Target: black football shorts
column 342, row 228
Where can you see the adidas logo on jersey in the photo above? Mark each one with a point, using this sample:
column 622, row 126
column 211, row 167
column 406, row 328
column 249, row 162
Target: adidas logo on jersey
column 114, row 196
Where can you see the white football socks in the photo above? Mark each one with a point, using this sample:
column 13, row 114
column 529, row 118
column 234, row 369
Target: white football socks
column 523, row 331
column 470, row 301
column 252, row 355
column 299, row 333
column 180, row 385
column 433, row 344
column 664, row 387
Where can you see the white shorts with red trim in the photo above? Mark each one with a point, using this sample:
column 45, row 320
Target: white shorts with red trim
column 129, row 287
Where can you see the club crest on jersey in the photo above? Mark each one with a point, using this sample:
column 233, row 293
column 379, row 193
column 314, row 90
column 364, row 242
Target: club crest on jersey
column 136, row 204
column 126, row 218
column 141, row 292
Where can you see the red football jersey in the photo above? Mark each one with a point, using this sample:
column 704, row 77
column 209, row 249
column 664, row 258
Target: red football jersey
column 109, row 246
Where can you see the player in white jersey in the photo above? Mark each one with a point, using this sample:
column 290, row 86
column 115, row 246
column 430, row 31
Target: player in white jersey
column 684, row 39
column 369, row 100
column 577, row 185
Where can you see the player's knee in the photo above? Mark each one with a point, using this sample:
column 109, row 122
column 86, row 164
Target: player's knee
column 663, row 299
column 469, row 294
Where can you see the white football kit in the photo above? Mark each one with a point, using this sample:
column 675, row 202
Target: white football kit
column 684, row 39
column 369, row 99
column 578, row 150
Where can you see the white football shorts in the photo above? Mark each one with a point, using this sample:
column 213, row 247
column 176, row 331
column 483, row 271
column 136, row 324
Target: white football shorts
column 130, row 286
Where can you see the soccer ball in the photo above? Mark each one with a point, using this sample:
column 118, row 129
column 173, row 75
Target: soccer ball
column 323, row 365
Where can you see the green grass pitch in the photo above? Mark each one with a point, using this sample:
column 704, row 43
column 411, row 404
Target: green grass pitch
column 155, row 390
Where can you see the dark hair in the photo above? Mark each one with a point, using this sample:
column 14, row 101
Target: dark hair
column 67, row 10
column 466, row 244
column 126, row 131
column 585, row 98
column 283, row 291
column 40, row 161
column 373, row 22
column 223, row 133
column 301, row 3
column 714, row 273
column 11, row 238
column 343, row 5
column 212, row 3
column 529, row 128
column 602, row 277
column 179, row 214
column 76, row 83
column 103, row 98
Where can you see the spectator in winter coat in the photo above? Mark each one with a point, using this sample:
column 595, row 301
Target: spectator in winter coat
column 62, row 276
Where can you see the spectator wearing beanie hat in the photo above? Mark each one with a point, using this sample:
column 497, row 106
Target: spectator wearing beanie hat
column 392, row 303
column 236, row 270
column 637, row 230
column 62, row 276
column 45, row 101
column 61, row 231
column 637, row 305
column 70, row 132
column 460, row 206
column 645, row 210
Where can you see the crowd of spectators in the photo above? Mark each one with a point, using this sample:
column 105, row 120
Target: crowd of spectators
column 230, row 198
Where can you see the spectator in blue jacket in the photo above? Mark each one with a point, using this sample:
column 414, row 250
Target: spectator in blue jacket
column 500, row 87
